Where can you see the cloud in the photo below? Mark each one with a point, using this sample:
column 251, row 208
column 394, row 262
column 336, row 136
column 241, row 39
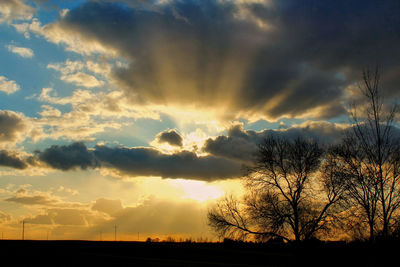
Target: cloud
column 11, row 10
column 39, row 219
column 171, row 137
column 34, row 198
column 67, row 190
column 30, row 200
column 157, row 216
column 151, row 217
column 67, row 216
column 10, row 159
column 21, row 51
column 99, row 104
column 54, row 210
column 68, row 67
column 56, row 33
column 140, row 161
column 91, row 113
column 72, row 72
column 4, row 217
column 268, row 59
column 72, row 216
column 226, row 154
column 82, row 79
column 69, row 157
column 8, row 86
column 238, row 147
column 22, row 28
column 240, row 144
column 12, row 125
column 108, row 206
column 151, row 162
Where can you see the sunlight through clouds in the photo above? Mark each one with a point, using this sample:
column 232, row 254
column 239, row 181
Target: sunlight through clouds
column 198, row 190
column 146, row 113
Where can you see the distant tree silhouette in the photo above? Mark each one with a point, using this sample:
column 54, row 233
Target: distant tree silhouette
column 369, row 157
column 289, row 198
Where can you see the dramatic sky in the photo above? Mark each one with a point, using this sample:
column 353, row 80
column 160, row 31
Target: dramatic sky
column 141, row 114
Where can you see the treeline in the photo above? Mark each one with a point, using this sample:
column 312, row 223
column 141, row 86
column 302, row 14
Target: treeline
column 301, row 190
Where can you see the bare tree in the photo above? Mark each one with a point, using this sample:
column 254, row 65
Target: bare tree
column 361, row 196
column 288, row 197
column 369, row 155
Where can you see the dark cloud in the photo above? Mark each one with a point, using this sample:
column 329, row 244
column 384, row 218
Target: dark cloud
column 151, row 162
column 285, row 58
column 32, row 199
column 11, row 159
column 140, row 161
column 11, row 125
column 227, row 154
column 68, row 157
column 241, row 145
column 171, row 137
column 237, row 145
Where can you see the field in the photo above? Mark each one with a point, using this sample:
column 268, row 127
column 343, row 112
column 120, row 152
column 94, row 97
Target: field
column 92, row 253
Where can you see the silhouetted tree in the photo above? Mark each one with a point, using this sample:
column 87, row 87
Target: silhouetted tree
column 361, row 196
column 370, row 159
column 288, row 197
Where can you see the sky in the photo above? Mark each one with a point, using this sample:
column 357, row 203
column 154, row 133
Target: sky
column 141, row 114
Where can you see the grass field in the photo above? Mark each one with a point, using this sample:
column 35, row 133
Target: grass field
column 94, row 253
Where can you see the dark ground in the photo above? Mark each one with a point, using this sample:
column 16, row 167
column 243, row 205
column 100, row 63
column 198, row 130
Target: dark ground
column 94, row 253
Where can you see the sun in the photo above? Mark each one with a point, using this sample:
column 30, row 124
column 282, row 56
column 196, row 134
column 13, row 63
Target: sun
column 197, row 190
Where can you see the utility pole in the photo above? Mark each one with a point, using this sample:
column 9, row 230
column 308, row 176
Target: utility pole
column 115, row 232
column 23, row 230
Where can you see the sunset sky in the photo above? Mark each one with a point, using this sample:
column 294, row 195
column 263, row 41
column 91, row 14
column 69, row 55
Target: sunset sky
column 141, row 114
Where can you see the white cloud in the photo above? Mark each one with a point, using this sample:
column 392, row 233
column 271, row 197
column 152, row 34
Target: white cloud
column 50, row 112
column 73, row 72
column 82, row 79
column 15, row 10
column 58, row 34
column 27, row 28
column 23, row 28
column 8, row 86
column 21, row 51
column 67, row 67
